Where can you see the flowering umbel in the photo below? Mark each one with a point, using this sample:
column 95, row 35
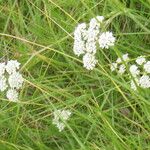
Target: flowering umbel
column 10, row 79
column 87, row 38
column 89, row 61
column 139, row 71
column 119, row 65
column 106, row 40
column 59, row 117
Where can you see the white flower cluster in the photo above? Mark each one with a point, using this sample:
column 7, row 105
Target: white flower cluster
column 10, row 79
column 139, row 72
column 59, row 117
column 86, row 39
column 106, row 40
column 119, row 65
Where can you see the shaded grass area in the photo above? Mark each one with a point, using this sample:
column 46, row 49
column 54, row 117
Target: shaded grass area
column 107, row 114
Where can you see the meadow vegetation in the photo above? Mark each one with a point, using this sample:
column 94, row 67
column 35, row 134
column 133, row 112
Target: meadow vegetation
column 106, row 113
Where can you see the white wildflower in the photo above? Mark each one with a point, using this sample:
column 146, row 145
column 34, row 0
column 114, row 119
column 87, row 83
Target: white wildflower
column 118, row 60
column 141, row 79
column 124, row 58
column 93, row 23
column 15, row 80
column 133, row 85
column 2, row 69
column 59, row 117
column 63, row 114
column 79, row 43
column 134, row 70
column 12, row 66
column 100, row 18
column 140, row 60
column 144, row 81
column 10, row 77
column 12, row 95
column 82, row 28
column 92, row 36
column 122, row 69
column 3, row 83
column 79, row 47
column 91, row 40
column 80, row 31
column 60, row 126
column 106, row 40
column 86, row 38
column 89, row 61
column 147, row 67
column 113, row 66
column 91, row 47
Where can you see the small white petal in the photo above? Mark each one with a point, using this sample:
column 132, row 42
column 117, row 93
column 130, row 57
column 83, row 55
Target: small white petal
column 79, row 36
column 133, row 85
column 147, row 67
column 118, row 60
column 15, row 80
column 2, row 69
column 144, row 81
column 134, row 70
column 89, row 61
column 113, row 66
column 140, row 60
column 106, row 40
column 122, row 69
column 12, row 66
column 60, row 115
column 125, row 57
column 3, row 83
column 12, row 95
column 60, row 126
column 100, row 18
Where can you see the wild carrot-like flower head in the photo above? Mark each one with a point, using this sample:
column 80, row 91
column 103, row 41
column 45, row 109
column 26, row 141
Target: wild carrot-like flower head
column 139, row 71
column 59, row 117
column 10, row 78
column 86, row 39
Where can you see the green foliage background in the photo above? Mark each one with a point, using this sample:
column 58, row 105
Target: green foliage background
column 107, row 114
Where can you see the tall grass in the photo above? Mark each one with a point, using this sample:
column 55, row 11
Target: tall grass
column 107, row 114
